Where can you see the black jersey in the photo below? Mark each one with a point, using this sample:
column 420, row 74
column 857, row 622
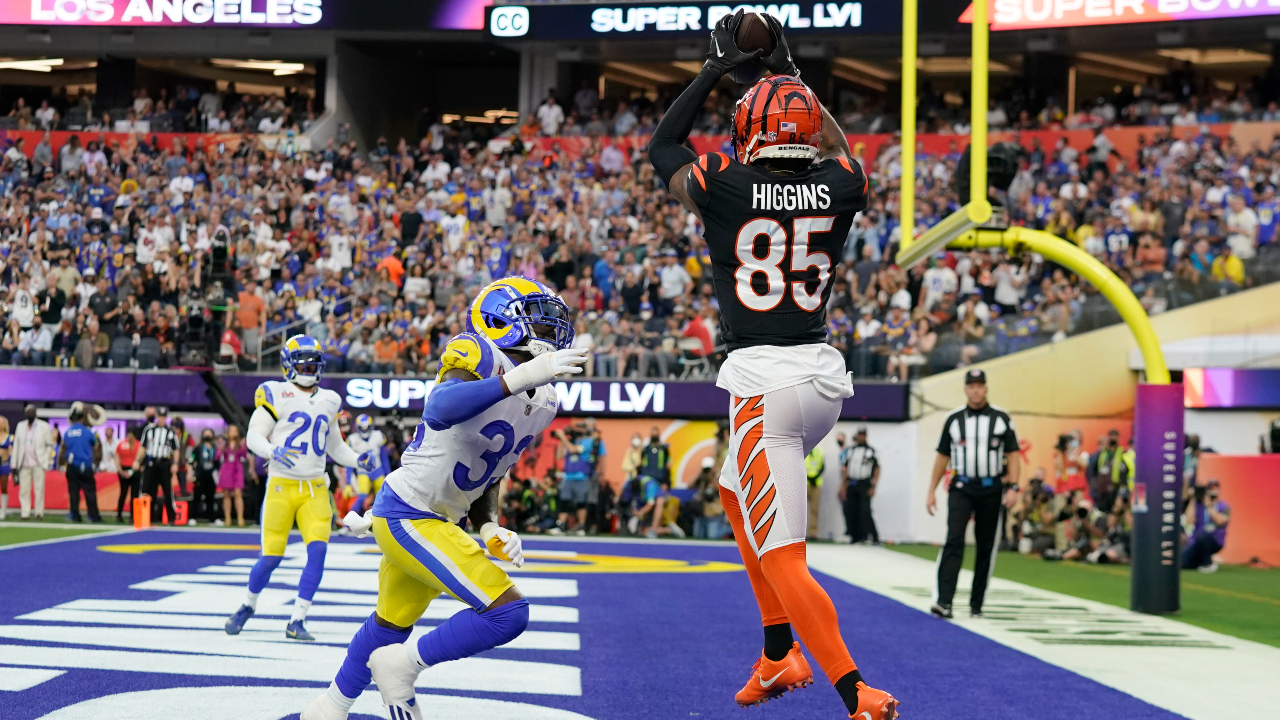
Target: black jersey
column 774, row 240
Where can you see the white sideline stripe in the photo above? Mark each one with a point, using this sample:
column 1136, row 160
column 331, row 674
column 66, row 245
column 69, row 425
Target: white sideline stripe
column 19, row 679
column 317, row 665
column 57, row 526
column 325, row 631
column 1239, row 675
column 260, row 702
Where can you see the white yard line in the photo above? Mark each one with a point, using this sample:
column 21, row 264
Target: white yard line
column 1182, row 668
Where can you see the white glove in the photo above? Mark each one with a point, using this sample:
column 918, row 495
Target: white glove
column 502, row 543
column 359, row 524
column 545, row 369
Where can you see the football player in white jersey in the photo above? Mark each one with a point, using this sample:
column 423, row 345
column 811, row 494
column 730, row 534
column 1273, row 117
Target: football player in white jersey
column 493, row 397
column 366, row 438
column 293, row 428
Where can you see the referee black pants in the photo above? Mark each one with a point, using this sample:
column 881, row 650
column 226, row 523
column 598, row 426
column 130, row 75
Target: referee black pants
column 82, row 481
column 156, row 476
column 857, row 512
column 984, row 508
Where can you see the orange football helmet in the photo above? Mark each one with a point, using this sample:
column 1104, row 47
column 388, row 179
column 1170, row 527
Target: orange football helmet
column 779, row 117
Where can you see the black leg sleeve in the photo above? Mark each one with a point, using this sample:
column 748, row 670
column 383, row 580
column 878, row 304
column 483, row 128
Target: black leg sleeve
column 667, row 152
column 959, row 508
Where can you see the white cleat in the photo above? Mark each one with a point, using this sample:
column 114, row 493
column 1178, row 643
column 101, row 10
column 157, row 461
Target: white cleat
column 323, row 708
column 395, row 674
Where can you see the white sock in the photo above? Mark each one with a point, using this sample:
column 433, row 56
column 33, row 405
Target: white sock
column 300, row 608
column 411, row 652
column 252, row 600
column 4, row 506
column 338, row 698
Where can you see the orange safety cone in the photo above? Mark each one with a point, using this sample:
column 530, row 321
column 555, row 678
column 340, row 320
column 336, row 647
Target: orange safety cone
column 142, row 512
column 180, row 510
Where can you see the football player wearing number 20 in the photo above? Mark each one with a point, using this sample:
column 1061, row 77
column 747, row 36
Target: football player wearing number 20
column 293, row 427
column 776, row 217
column 492, row 398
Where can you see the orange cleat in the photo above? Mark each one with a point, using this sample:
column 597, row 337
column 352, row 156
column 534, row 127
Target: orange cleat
column 874, row 704
column 770, row 679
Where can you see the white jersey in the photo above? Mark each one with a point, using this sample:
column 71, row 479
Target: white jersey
column 360, row 443
column 442, row 473
column 303, row 420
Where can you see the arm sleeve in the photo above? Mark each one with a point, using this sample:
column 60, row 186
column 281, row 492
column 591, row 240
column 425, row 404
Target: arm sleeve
column 944, row 443
column 260, row 426
column 667, row 152
column 456, row 401
column 338, row 448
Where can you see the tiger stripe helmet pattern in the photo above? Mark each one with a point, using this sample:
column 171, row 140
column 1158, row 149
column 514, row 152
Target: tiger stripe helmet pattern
column 507, row 310
column 779, row 117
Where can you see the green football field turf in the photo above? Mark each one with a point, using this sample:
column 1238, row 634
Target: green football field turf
column 10, row 535
column 1236, row 600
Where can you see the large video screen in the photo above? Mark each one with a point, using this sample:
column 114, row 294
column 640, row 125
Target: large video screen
column 640, row 20
column 168, row 13
column 266, row 14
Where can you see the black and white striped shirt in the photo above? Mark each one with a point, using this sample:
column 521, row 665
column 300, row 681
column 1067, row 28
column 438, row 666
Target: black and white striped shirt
column 860, row 462
column 159, row 442
column 977, row 440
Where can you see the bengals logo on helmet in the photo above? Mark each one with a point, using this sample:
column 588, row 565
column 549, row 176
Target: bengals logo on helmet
column 779, row 117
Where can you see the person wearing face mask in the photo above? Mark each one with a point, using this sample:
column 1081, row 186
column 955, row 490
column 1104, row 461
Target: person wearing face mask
column 1071, row 462
column 205, row 464
column 1208, row 517
column 1106, row 472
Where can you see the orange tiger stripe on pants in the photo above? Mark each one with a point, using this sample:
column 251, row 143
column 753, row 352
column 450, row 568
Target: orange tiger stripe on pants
column 752, row 489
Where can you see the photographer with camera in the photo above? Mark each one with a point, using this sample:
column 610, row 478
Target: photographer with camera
column 1114, row 547
column 580, row 449
column 1207, row 516
column 1034, row 517
column 1086, row 526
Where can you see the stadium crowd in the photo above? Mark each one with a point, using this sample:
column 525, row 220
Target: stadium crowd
column 128, row 254
column 187, row 108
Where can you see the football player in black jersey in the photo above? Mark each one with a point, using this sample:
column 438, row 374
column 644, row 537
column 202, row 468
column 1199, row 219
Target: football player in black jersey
column 775, row 219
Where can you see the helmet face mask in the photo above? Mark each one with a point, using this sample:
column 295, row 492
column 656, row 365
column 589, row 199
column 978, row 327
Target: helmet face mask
column 522, row 315
column 302, row 361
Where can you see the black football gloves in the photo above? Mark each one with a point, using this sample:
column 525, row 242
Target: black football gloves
column 779, row 61
column 724, row 55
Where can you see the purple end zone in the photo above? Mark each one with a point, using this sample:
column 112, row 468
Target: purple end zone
column 654, row 645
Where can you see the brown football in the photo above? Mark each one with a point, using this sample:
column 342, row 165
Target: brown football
column 754, row 34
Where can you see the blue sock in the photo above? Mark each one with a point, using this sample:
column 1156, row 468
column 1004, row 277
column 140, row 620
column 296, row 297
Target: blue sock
column 468, row 633
column 310, row 579
column 261, row 572
column 353, row 676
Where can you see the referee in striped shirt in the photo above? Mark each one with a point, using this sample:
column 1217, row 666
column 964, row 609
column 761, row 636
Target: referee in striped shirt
column 159, row 471
column 980, row 446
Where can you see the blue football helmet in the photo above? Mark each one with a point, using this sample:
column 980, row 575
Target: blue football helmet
column 517, row 313
column 302, row 361
column 364, row 425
